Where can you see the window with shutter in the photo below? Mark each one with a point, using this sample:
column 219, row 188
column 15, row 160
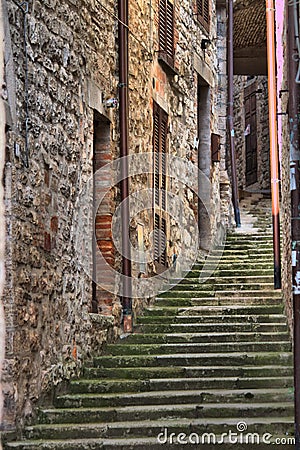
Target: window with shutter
column 166, row 32
column 203, row 13
column 160, row 124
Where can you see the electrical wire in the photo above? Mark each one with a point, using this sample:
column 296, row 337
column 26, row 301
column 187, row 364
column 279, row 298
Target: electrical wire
column 126, row 26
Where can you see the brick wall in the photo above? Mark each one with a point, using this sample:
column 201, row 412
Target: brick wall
column 103, row 299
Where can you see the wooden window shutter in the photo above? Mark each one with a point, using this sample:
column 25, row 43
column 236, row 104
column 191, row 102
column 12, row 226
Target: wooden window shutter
column 156, row 237
column 156, row 148
column 203, row 12
column 163, row 242
column 164, row 125
column 160, row 130
column 166, row 32
column 160, row 241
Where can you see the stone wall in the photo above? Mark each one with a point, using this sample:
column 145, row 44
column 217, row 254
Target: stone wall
column 221, row 105
column 59, row 132
column 2, row 210
column 68, row 71
column 284, row 150
column 190, row 116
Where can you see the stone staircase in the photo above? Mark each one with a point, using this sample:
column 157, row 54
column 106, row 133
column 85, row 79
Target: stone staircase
column 208, row 363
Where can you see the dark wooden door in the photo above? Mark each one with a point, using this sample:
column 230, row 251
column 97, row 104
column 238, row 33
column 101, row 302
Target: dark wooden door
column 250, row 134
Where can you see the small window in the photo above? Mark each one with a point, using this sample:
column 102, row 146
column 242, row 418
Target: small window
column 166, row 32
column 203, row 13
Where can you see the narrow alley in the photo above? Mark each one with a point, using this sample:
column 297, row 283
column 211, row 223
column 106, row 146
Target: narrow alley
column 208, row 364
column 149, row 224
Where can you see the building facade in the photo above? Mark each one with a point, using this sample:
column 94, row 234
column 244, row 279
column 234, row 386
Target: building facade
column 62, row 190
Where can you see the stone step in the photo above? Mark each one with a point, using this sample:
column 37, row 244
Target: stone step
column 241, row 280
column 230, row 271
column 63, row 444
column 189, row 441
column 247, row 245
column 236, row 327
column 249, row 263
column 194, row 359
column 198, row 318
column 142, row 338
column 141, row 443
column 243, row 396
column 194, row 302
column 122, row 385
column 239, row 258
column 170, row 314
column 257, row 305
column 242, row 257
column 237, row 267
column 253, row 237
column 233, row 309
column 196, row 347
column 149, row 412
column 186, row 295
column 181, row 372
column 220, row 285
column 242, row 248
column 282, row 425
column 249, row 292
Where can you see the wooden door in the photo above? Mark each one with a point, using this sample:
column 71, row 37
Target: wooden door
column 250, row 134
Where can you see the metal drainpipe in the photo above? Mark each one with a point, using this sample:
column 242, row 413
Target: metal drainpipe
column 294, row 91
column 273, row 139
column 235, row 196
column 126, row 299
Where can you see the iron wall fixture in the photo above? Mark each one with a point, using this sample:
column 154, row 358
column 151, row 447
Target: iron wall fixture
column 205, row 43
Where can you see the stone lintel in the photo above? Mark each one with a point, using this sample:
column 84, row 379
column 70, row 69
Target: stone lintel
column 204, row 70
column 161, row 102
column 94, row 99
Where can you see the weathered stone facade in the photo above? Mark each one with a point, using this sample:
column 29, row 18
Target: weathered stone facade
column 68, row 70
column 284, row 158
column 60, row 131
column 2, row 211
